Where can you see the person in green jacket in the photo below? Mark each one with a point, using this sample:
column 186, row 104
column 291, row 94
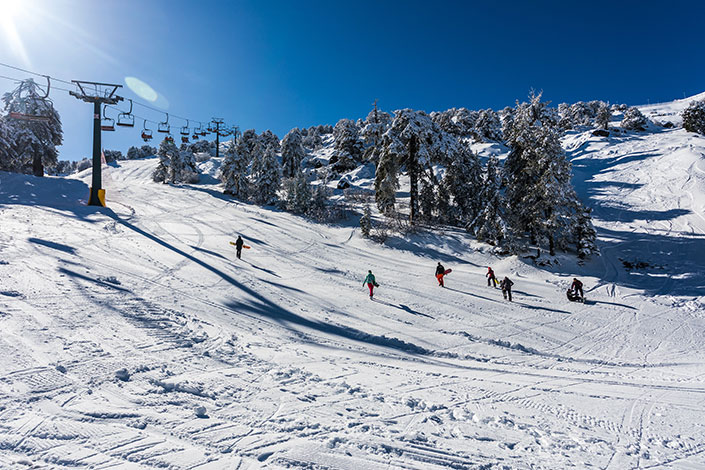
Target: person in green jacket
column 371, row 282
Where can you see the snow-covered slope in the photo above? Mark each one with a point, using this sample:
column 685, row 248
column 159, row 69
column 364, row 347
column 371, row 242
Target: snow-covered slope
column 133, row 338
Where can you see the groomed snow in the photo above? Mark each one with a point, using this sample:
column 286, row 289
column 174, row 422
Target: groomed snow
column 132, row 338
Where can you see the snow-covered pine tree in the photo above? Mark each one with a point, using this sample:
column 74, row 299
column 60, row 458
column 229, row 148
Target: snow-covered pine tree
column 585, row 234
column 463, row 181
column 415, row 142
column 427, row 200
column 233, row 172
column 347, row 144
column 6, row 150
column 312, row 140
column 487, row 126
column 166, row 153
column 133, row 153
column 266, row 176
column 490, row 225
column 541, row 198
column 190, row 173
column 366, row 222
column 112, row 155
column 634, row 120
column 270, row 139
column 603, row 115
column 694, row 117
column 292, row 153
column 247, row 143
column 565, row 118
column 374, row 128
column 297, row 193
column 34, row 142
column 506, row 116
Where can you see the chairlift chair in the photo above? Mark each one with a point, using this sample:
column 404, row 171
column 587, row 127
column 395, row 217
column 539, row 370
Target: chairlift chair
column 164, row 127
column 107, row 124
column 185, row 130
column 126, row 119
column 195, row 136
column 184, row 139
column 146, row 133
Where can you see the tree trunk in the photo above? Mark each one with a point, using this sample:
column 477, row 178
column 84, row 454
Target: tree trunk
column 551, row 245
column 37, row 166
column 413, row 180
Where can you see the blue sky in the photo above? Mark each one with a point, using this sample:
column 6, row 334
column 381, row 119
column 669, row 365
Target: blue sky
column 277, row 65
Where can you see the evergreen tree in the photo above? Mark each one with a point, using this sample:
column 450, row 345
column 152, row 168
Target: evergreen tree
column 462, row 181
column 270, row 139
column 292, row 153
column 266, row 176
column 490, row 225
column 585, row 234
column 297, row 194
column 366, row 222
column 541, row 198
column 233, row 172
column 415, row 142
column 166, row 153
column 6, row 144
column 694, row 117
column 507, row 118
column 312, row 140
column 487, row 126
column 34, row 141
column 348, row 146
column 375, row 126
column 634, row 120
column 603, row 116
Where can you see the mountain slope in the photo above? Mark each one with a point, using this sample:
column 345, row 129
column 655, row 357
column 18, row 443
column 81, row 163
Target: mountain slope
column 135, row 339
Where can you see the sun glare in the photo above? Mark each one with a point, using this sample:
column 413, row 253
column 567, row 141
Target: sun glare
column 10, row 8
column 9, row 12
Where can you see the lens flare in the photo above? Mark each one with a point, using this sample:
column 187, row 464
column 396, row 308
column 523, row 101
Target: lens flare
column 141, row 89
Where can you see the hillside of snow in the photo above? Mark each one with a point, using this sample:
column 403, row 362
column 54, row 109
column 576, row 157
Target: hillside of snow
column 134, row 339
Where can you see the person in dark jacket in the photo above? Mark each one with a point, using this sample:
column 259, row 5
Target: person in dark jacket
column 238, row 246
column 440, row 272
column 491, row 279
column 506, row 286
column 577, row 288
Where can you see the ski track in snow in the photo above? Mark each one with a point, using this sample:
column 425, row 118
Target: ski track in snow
column 135, row 339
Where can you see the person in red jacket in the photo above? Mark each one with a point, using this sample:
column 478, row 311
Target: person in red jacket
column 491, row 279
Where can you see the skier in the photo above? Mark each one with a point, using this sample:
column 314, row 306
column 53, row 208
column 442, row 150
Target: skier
column 577, row 290
column 371, row 282
column 440, row 272
column 506, row 286
column 238, row 246
column 491, row 279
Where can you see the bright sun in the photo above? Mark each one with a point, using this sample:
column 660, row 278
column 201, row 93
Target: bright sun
column 10, row 8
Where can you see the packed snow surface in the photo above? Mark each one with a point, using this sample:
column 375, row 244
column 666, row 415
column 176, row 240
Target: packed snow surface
column 132, row 338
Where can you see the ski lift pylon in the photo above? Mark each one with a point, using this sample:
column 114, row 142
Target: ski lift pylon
column 126, row 119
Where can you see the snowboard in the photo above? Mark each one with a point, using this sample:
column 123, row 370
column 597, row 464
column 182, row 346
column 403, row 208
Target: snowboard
column 247, row 247
column 447, row 271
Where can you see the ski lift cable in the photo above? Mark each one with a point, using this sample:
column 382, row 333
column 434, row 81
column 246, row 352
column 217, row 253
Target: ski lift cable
column 49, row 77
column 35, row 73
